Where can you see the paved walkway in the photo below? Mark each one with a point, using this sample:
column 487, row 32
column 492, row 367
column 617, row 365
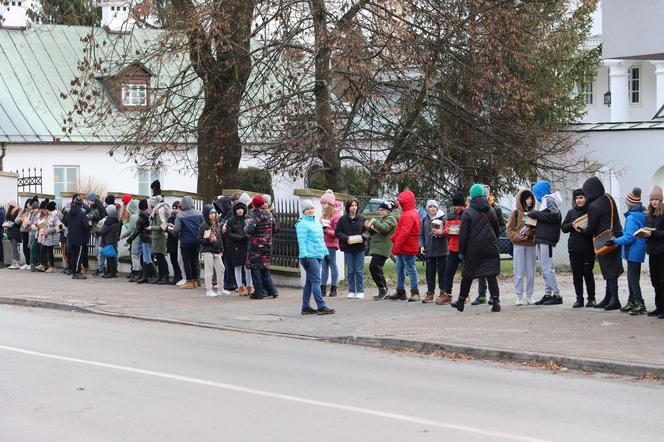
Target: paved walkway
column 555, row 332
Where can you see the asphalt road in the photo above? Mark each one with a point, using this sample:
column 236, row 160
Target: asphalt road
column 77, row 377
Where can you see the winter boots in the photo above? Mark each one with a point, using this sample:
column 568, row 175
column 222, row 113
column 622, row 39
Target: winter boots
column 428, row 298
column 614, row 302
column 579, row 302
column 399, row 295
column 460, row 303
column 444, row 298
column 414, row 295
column 333, row 291
column 604, row 302
column 323, row 290
column 495, row 305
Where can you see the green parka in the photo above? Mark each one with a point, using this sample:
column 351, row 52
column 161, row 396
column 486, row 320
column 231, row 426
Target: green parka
column 381, row 244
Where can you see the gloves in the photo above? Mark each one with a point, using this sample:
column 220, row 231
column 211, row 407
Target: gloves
column 461, row 257
column 610, row 243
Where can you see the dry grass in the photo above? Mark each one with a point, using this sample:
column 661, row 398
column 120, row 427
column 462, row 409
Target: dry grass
column 88, row 184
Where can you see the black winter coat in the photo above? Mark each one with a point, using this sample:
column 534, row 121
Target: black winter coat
column 142, row 223
column 110, row 232
column 237, row 240
column 576, row 243
column 655, row 242
column 78, row 228
column 13, row 232
column 478, row 240
column 209, row 246
column 348, row 227
column 548, row 223
column 599, row 219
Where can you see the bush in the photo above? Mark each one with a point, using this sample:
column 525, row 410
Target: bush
column 252, row 179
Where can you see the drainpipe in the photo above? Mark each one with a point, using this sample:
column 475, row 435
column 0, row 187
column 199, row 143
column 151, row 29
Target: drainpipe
column 2, row 155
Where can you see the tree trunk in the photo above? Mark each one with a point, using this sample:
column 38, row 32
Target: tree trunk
column 327, row 150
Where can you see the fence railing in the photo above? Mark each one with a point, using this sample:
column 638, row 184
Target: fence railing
column 284, row 242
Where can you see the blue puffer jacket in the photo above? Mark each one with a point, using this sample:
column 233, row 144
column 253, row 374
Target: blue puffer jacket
column 310, row 238
column 633, row 249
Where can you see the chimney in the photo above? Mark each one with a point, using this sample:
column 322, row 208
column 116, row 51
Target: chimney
column 115, row 15
column 14, row 13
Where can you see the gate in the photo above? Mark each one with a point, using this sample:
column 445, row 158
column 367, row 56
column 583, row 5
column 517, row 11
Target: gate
column 29, row 181
column 284, row 242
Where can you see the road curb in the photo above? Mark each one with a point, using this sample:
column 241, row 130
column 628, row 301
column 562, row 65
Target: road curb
column 584, row 364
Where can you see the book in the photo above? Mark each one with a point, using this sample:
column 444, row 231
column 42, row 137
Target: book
column 644, row 231
column 453, row 229
column 581, row 222
column 355, row 239
column 530, row 222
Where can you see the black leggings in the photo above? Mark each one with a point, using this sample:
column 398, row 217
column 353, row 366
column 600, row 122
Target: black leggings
column 162, row 265
column 582, row 270
column 48, row 260
column 192, row 265
column 466, row 283
column 177, row 272
column 25, row 240
column 76, row 254
column 657, row 279
column 376, row 270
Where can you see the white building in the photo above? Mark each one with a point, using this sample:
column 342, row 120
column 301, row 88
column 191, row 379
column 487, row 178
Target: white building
column 624, row 125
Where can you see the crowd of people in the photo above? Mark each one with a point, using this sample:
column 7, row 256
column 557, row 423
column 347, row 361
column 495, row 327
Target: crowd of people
column 233, row 235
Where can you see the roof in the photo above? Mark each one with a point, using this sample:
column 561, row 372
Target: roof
column 36, row 68
column 616, row 126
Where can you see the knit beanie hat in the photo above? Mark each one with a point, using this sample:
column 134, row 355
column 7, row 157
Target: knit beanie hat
column 328, row 197
column 143, row 205
column 245, row 198
column 51, row 206
column 126, row 199
column 91, row 196
column 476, row 190
column 541, row 189
column 387, row 205
column 109, row 200
column 306, row 204
column 656, row 193
column 432, row 203
column 633, row 198
column 258, row 201
column 112, row 211
column 458, row 199
column 268, row 199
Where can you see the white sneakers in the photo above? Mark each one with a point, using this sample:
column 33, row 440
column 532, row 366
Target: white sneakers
column 530, row 300
column 211, row 294
column 350, row 295
column 25, row 267
column 181, row 282
column 225, row 292
column 359, row 296
column 519, row 301
column 15, row 266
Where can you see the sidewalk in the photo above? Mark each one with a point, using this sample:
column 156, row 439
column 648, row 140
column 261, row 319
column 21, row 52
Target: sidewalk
column 581, row 338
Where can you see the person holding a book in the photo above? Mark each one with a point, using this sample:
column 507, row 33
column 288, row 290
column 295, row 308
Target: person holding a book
column 547, row 235
column 452, row 229
column 604, row 223
column 633, row 251
column 655, row 247
column 580, row 248
column 522, row 237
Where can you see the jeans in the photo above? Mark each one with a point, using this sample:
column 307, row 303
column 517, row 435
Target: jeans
column 192, row 264
column 657, row 279
column 406, row 264
column 633, row 281
column 15, row 253
column 376, row 270
column 582, row 270
column 263, row 284
column 330, row 267
column 212, row 262
column 466, row 283
column 612, row 286
column 230, row 282
column 451, row 268
column 436, row 266
column 355, row 266
column 548, row 270
column 524, row 268
column 311, row 267
column 238, row 270
column 146, row 250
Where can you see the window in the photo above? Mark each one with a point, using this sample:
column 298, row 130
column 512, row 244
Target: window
column 65, row 178
column 586, row 91
column 135, row 95
column 145, row 177
column 635, row 85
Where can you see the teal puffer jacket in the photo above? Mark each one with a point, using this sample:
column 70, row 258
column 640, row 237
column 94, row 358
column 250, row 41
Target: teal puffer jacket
column 310, row 238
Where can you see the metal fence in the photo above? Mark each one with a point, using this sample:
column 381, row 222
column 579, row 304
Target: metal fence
column 284, row 242
column 29, row 180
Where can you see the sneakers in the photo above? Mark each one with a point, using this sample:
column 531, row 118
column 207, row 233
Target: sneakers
column 257, row 296
column 15, row 266
column 655, row 312
column 181, row 282
column 578, row 303
column 519, row 300
column 399, row 295
column 444, row 298
column 188, row 285
column 242, row 291
column 78, row 276
column 25, row 267
column 414, row 296
column 591, row 302
column 638, row 309
column 350, row 295
column 333, row 291
column 430, row 296
column 628, row 308
column 309, row 311
column 382, row 293
column 544, row 299
column 50, row 270
column 359, row 295
column 479, row 300
column 554, row 300
column 211, row 294
column 530, row 300
column 325, row 311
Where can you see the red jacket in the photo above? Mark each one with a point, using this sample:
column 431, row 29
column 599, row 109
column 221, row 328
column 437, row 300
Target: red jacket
column 406, row 237
column 453, row 218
